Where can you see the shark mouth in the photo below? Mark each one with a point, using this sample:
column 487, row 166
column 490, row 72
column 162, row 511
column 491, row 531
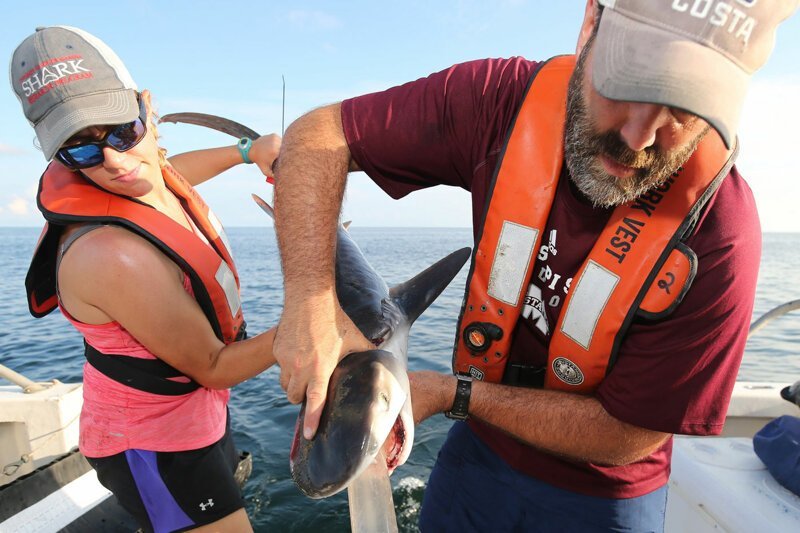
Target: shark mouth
column 395, row 444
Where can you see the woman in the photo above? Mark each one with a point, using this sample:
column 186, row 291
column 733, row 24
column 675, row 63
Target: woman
column 140, row 266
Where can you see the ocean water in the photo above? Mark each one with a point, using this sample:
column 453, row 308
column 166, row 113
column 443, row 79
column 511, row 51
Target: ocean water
column 263, row 420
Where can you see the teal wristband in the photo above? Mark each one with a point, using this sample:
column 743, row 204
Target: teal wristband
column 244, row 145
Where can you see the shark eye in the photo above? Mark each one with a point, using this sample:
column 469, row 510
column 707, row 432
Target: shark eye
column 385, row 399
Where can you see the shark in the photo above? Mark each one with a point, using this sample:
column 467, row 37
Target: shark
column 367, row 414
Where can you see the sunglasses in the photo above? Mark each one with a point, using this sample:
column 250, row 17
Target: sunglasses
column 121, row 138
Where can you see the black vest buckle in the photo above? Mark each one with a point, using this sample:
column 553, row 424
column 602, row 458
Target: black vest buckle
column 519, row 375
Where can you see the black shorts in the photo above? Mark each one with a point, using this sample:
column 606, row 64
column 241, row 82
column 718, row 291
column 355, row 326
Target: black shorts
column 174, row 491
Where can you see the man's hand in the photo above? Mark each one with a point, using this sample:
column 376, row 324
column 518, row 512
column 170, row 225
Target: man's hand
column 431, row 393
column 313, row 336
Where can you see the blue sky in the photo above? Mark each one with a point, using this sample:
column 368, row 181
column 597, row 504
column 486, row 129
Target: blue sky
column 228, row 58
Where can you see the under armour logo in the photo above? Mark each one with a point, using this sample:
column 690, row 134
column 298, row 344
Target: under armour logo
column 209, row 503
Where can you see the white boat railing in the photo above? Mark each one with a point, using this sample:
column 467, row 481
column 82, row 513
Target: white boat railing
column 772, row 314
column 26, row 384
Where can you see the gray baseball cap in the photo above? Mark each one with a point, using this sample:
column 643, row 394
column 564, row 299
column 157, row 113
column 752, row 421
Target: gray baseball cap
column 695, row 55
column 66, row 80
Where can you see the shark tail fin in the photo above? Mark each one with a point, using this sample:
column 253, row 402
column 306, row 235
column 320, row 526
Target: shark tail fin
column 416, row 294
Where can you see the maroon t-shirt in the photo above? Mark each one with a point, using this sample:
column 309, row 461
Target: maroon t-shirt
column 674, row 376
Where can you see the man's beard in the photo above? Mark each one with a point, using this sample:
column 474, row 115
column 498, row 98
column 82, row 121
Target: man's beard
column 583, row 145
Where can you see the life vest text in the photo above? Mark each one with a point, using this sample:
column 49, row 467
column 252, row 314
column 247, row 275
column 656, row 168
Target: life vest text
column 627, row 232
column 624, row 237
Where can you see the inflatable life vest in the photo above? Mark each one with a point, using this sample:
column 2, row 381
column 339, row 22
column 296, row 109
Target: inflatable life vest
column 65, row 197
column 637, row 265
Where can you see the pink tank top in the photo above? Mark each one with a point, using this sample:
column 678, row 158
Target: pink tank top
column 116, row 418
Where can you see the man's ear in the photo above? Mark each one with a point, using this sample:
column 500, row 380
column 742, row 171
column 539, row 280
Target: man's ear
column 587, row 26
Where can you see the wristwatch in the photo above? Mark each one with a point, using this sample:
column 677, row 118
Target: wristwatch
column 460, row 409
column 244, row 145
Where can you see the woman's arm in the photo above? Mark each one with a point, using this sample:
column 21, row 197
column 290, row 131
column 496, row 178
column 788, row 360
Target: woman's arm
column 201, row 165
column 113, row 274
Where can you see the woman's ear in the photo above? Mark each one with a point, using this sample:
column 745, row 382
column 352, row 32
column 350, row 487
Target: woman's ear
column 152, row 118
column 145, row 95
column 587, row 26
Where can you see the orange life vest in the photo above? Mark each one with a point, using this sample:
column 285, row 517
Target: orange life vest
column 637, row 265
column 65, row 197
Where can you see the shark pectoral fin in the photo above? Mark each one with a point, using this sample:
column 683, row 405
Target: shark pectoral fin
column 264, row 205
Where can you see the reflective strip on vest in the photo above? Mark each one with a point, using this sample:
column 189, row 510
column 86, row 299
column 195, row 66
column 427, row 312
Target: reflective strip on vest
column 227, row 281
column 217, row 225
column 511, row 258
column 589, row 298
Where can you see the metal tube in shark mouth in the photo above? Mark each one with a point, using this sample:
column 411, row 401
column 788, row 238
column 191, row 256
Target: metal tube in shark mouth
column 370, row 499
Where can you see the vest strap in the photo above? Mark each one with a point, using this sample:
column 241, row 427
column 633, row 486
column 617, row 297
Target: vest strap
column 147, row 375
column 242, row 333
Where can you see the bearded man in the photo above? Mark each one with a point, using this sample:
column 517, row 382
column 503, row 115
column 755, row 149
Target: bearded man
column 615, row 264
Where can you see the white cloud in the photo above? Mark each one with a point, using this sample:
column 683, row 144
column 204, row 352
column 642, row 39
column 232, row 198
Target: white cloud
column 19, row 206
column 313, row 19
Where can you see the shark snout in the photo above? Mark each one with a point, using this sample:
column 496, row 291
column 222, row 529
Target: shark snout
column 367, row 395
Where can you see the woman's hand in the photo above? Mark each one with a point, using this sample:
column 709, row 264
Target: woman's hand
column 199, row 166
column 264, row 152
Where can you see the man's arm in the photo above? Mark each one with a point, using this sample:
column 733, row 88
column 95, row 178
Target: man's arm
column 314, row 333
column 568, row 425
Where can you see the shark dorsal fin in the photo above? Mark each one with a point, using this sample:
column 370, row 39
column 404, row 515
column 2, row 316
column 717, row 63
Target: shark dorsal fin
column 416, row 294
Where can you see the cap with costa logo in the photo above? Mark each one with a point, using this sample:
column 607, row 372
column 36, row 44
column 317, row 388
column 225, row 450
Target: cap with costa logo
column 695, row 55
column 67, row 80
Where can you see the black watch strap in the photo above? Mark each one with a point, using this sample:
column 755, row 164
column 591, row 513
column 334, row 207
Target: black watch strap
column 460, row 409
